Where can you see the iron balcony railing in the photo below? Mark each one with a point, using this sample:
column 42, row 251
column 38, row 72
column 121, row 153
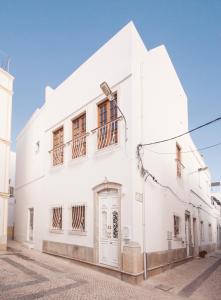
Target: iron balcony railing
column 57, row 155
column 79, row 146
column 107, row 134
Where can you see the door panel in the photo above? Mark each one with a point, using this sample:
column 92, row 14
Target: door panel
column 109, row 229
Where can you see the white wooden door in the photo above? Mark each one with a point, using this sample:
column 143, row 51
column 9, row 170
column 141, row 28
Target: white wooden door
column 109, row 229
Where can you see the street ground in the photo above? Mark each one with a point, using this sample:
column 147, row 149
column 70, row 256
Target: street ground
column 27, row 274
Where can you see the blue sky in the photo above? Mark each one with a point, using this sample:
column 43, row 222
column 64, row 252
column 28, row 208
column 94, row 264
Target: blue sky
column 48, row 39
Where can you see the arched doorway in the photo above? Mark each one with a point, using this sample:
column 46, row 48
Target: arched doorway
column 107, row 225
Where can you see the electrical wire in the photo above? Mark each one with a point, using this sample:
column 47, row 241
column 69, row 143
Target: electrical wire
column 190, row 151
column 145, row 174
column 182, row 134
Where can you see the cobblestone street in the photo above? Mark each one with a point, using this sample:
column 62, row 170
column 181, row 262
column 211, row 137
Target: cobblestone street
column 28, row 274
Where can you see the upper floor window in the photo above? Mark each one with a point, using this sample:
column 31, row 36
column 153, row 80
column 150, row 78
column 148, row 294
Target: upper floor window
column 107, row 123
column 58, row 146
column 178, row 160
column 79, row 136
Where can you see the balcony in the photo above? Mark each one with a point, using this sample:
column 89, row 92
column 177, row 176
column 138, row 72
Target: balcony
column 107, row 134
column 79, row 146
column 57, row 155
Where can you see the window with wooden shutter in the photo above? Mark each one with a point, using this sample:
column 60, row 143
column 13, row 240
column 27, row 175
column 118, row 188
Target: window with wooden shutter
column 58, row 146
column 107, row 123
column 79, row 136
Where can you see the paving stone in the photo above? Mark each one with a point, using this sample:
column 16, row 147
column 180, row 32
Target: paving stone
column 28, row 274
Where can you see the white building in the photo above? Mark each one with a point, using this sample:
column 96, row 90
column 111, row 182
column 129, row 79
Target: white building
column 11, row 199
column 79, row 191
column 216, row 201
column 6, row 81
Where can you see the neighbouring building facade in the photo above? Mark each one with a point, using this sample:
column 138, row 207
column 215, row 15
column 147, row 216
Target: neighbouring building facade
column 216, row 201
column 6, row 91
column 11, row 199
column 82, row 190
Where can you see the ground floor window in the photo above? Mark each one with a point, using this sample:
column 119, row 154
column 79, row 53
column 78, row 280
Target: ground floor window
column 78, row 218
column 57, row 218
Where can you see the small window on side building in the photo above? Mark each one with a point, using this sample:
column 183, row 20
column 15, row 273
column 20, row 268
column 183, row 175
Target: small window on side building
column 178, row 160
column 210, row 232
column 201, row 231
column 176, row 224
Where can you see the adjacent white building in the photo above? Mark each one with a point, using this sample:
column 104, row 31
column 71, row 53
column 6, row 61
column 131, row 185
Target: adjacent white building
column 6, row 86
column 79, row 189
column 216, row 201
column 11, row 199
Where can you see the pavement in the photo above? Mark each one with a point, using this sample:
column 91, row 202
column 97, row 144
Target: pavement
column 27, row 274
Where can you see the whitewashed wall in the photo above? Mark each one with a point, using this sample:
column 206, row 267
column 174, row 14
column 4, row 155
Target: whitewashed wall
column 40, row 185
column 166, row 115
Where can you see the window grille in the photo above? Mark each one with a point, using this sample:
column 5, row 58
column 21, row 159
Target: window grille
column 176, row 220
column 78, row 218
column 57, row 218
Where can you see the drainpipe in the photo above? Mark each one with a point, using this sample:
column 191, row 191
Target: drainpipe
column 143, row 181
column 144, row 229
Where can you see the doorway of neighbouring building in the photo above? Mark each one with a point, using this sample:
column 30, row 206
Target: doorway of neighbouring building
column 109, row 225
column 30, row 224
column 195, row 239
column 188, row 233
